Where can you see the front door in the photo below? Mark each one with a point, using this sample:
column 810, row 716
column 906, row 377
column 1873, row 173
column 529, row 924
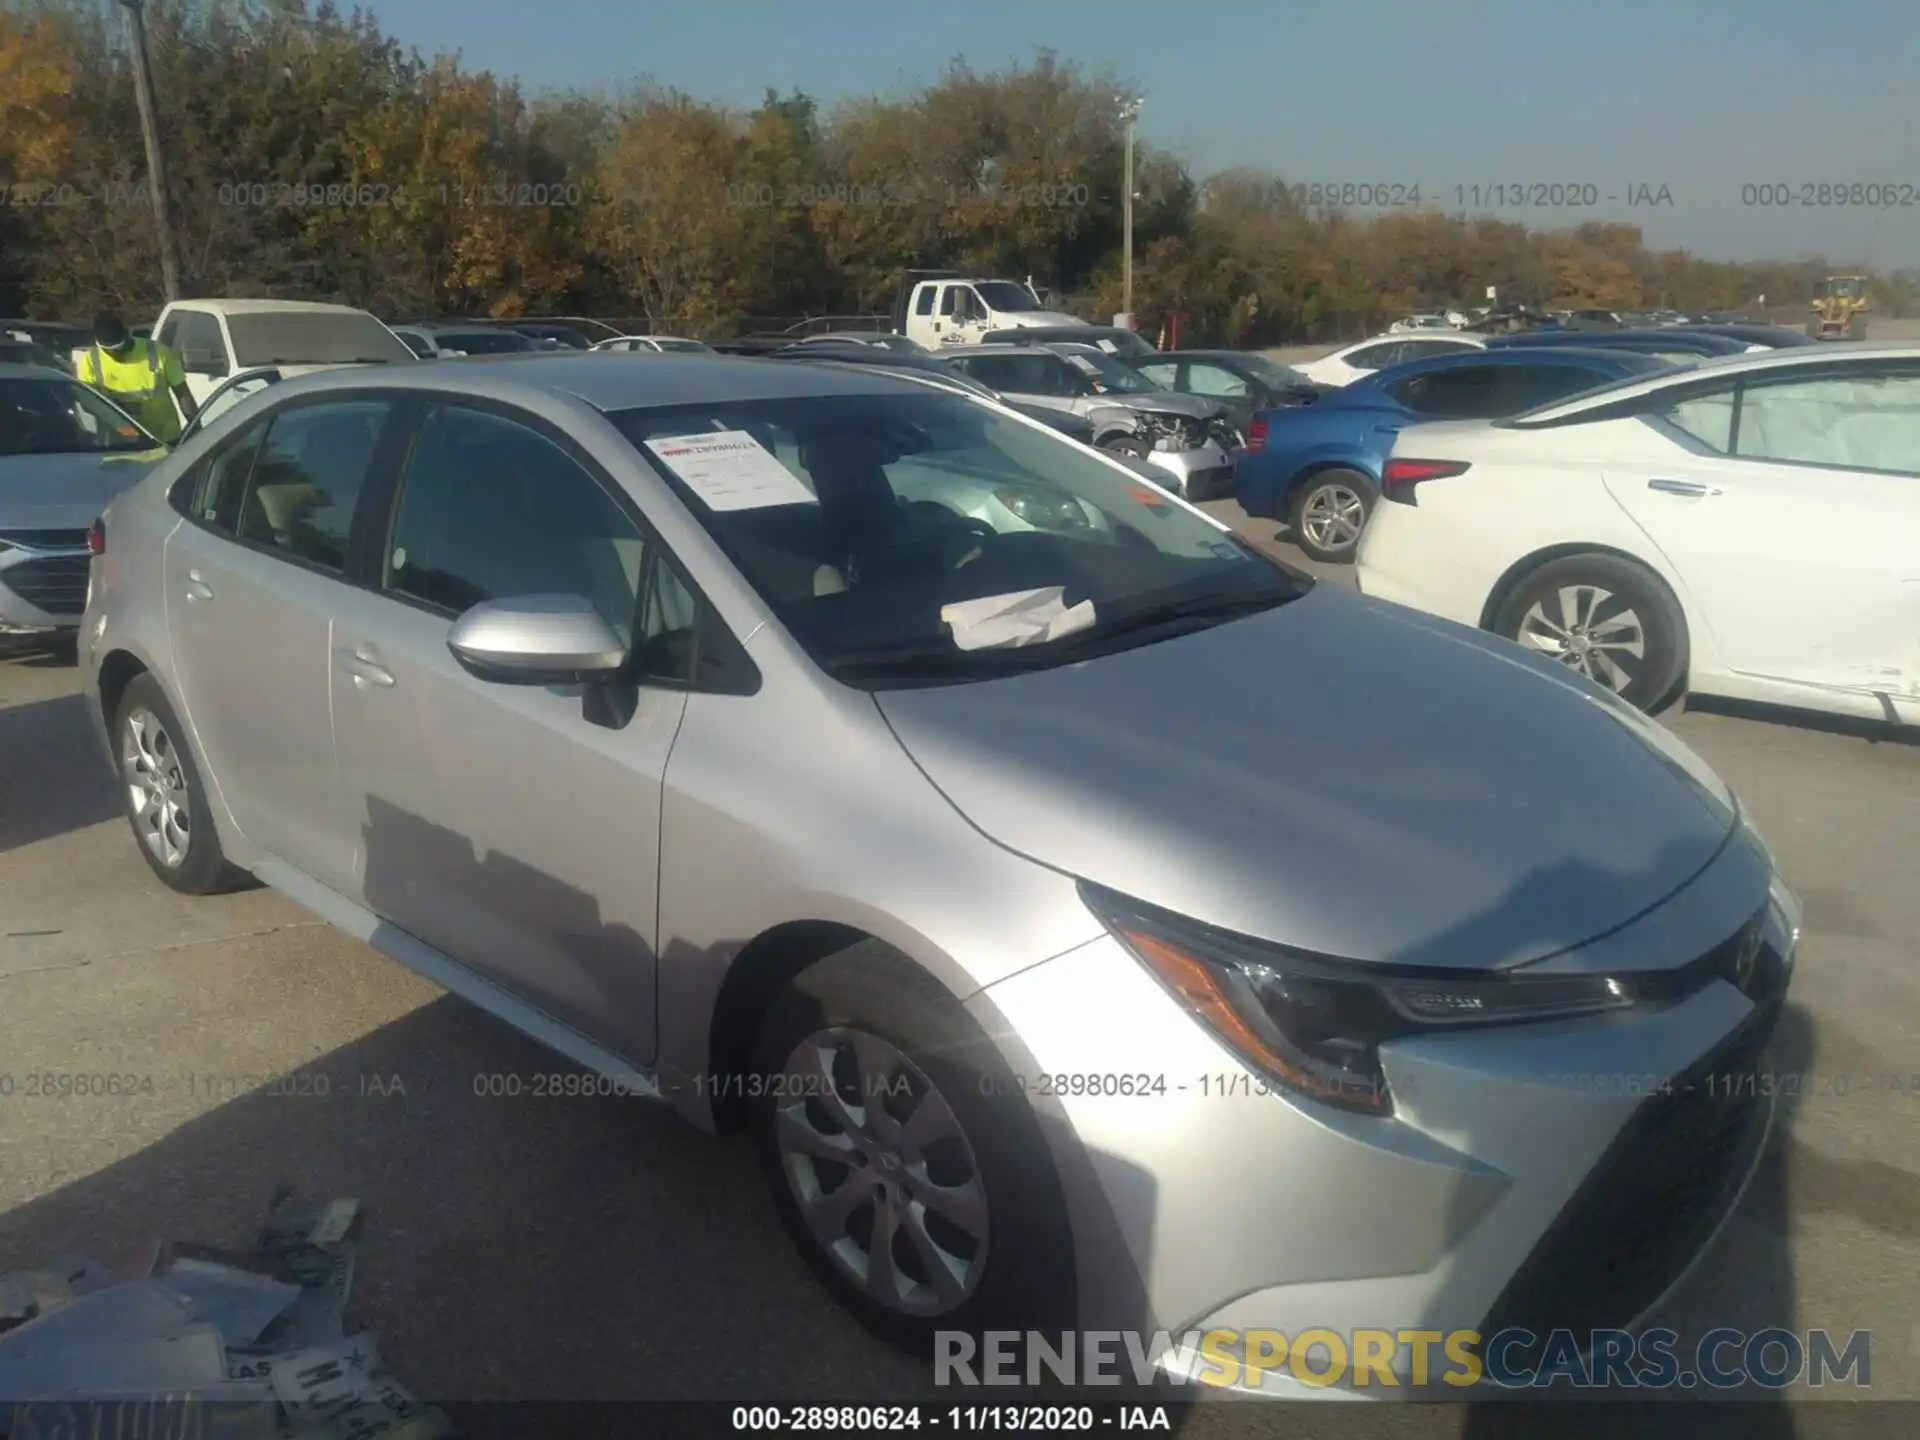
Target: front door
column 1802, row 545
column 514, row 828
column 252, row 582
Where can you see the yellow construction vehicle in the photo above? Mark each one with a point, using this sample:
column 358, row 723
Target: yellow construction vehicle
column 1839, row 312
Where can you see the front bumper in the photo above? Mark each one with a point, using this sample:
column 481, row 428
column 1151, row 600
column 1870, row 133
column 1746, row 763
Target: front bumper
column 1555, row 1175
column 1197, row 474
column 42, row 590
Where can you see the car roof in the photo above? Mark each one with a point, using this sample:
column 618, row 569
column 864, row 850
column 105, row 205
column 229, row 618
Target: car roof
column 11, row 370
column 1798, row 358
column 257, row 307
column 606, row 381
column 1677, row 336
column 1626, row 360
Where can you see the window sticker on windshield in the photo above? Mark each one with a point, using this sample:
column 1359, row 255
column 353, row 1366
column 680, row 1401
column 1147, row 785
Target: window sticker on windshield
column 1021, row 617
column 730, row 470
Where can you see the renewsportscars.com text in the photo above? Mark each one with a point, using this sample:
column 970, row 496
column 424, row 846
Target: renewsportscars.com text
column 1723, row 1359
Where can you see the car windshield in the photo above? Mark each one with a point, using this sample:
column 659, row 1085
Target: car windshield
column 1126, row 342
column 926, row 538
column 1109, row 375
column 487, row 342
column 1005, row 296
column 61, row 417
column 312, row 337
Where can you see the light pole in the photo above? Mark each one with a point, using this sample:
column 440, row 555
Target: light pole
column 150, row 134
column 1129, row 111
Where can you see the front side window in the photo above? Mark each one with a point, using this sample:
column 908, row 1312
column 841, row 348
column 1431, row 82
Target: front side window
column 1162, row 373
column 56, row 416
column 1466, row 394
column 1857, row 421
column 490, row 509
column 949, row 295
column 308, row 477
column 895, row 535
column 222, row 483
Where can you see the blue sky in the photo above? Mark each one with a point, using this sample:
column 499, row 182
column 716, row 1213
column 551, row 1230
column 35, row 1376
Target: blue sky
column 1701, row 96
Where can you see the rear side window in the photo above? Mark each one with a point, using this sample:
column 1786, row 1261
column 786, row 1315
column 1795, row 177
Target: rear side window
column 1707, row 418
column 308, row 477
column 1425, row 349
column 923, row 302
column 1523, row 387
column 1376, row 357
column 223, row 482
column 1215, row 381
column 1161, row 372
column 1469, row 393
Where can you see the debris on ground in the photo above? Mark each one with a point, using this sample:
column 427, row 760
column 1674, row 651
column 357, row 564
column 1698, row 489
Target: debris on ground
column 196, row 1340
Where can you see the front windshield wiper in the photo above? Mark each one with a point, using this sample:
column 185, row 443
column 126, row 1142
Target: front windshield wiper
column 1205, row 608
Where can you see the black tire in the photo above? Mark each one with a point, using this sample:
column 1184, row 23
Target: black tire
column 203, row 868
column 1026, row 1279
column 1321, row 513
column 1126, row 445
column 1646, row 620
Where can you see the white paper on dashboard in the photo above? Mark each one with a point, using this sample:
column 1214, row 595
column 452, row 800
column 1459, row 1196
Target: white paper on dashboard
column 1022, row 617
column 730, row 470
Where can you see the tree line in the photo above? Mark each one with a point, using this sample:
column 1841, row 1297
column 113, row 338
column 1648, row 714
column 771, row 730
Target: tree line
column 310, row 155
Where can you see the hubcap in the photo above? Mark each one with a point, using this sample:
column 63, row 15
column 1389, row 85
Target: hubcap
column 882, row 1172
column 1332, row 516
column 1592, row 630
column 156, row 787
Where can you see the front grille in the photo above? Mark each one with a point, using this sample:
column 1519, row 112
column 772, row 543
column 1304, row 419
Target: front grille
column 1658, row 1192
column 55, row 583
column 45, row 539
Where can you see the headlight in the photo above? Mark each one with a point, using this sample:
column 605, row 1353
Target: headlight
column 1042, row 510
column 1315, row 1026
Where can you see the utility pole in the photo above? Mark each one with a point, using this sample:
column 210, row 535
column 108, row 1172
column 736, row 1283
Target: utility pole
column 150, row 134
column 1129, row 110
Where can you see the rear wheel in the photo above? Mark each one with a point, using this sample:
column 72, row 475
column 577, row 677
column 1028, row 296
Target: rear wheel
column 1330, row 510
column 166, row 802
column 903, row 1158
column 1606, row 617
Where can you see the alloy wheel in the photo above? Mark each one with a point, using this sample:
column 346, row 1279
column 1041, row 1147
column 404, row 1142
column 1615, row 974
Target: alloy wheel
column 882, row 1171
column 1333, row 516
column 156, row 783
column 1591, row 630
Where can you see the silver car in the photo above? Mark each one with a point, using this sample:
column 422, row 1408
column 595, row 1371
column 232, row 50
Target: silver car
column 1097, row 926
column 65, row 451
column 1189, row 437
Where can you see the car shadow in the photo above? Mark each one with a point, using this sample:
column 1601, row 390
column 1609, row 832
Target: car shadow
column 1874, row 732
column 40, row 652
column 54, row 777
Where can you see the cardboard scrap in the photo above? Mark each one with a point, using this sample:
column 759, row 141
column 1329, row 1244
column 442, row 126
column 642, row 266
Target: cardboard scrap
column 193, row 1340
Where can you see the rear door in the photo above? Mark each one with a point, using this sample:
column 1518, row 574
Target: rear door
column 1791, row 508
column 253, row 580
column 514, row 828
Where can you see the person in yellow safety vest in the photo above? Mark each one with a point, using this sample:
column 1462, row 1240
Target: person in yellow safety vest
column 143, row 377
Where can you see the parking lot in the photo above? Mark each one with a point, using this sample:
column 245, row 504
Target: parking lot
column 546, row 1248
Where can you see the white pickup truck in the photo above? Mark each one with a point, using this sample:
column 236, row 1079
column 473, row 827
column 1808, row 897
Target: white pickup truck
column 219, row 338
column 944, row 310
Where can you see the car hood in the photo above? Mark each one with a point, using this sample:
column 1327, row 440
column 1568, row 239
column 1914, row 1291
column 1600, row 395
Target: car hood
column 1338, row 775
column 1168, row 402
column 66, row 492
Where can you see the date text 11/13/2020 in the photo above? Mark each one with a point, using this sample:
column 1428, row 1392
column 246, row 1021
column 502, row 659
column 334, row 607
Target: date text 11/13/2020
column 1479, row 194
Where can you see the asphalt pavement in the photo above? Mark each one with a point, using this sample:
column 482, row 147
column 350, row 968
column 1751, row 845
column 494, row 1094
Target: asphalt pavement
column 521, row 1248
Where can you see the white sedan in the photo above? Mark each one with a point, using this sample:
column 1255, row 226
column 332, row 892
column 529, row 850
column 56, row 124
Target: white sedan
column 1343, row 367
column 1747, row 528
column 656, row 345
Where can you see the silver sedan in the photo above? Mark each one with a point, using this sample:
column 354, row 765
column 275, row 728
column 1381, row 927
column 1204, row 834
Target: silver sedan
column 1096, row 924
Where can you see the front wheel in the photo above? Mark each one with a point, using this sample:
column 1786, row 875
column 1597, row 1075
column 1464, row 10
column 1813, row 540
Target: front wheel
column 903, row 1158
column 1606, row 617
column 1330, row 510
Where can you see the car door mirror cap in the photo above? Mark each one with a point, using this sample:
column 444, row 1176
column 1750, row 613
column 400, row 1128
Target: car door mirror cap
column 537, row 640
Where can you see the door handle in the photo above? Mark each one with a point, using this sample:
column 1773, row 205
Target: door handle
column 364, row 669
column 1693, row 489
column 197, row 587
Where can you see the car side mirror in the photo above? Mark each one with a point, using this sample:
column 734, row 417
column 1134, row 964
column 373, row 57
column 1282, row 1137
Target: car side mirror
column 537, row 640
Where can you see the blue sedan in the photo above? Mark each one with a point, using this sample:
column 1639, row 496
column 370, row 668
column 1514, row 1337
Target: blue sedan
column 1317, row 467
